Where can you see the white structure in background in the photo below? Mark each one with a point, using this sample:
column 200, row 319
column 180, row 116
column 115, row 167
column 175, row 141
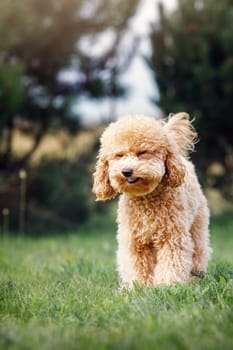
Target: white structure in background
column 138, row 77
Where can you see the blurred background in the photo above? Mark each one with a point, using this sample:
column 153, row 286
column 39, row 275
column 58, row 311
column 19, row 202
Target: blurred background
column 68, row 68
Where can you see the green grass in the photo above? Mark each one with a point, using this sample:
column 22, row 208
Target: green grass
column 62, row 293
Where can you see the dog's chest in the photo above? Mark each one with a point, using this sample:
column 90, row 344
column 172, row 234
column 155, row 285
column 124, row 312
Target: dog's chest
column 145, row 219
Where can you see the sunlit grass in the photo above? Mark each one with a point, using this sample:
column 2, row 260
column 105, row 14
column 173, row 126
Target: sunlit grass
column 62, row 293
column 57, row 145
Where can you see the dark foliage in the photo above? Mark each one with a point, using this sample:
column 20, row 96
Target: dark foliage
column 192, row 61
column 40, row 40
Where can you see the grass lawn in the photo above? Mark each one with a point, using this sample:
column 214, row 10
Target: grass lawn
column 62, row 293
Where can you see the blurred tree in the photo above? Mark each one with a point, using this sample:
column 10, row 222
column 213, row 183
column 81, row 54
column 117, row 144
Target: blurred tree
column 192, row 61
column 41, row 42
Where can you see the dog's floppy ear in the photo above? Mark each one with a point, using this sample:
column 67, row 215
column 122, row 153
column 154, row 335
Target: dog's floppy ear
column 180, row 129
column 175, row 170
column 101, row 187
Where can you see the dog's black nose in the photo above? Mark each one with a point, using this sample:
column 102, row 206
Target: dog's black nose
column 127, row 172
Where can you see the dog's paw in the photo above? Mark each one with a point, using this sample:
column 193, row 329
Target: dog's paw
column 199, row 274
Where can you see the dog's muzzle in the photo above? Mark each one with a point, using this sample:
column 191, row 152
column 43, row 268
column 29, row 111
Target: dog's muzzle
column 127, row 173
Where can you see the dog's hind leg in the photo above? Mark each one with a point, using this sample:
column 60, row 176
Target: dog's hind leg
column 200, row 235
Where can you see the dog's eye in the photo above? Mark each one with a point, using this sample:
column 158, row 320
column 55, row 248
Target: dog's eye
column 142, row 154
column 119, row 155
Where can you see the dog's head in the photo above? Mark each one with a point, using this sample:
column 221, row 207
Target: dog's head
column 138, row 153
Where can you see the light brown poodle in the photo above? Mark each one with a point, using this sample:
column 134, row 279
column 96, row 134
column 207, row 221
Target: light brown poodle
column 163, row 215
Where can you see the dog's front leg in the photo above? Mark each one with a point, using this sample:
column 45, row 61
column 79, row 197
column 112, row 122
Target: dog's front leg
column 125, row 262
column 174, row 261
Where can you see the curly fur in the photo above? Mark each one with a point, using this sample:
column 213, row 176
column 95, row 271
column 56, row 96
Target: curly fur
column 162, row 215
